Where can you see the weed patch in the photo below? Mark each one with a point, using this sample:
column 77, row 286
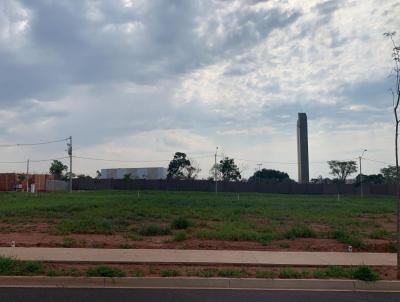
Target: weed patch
column 154, row 230
column 104, row 271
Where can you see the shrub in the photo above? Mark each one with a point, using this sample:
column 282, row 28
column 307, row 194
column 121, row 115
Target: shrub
column 180, row 223
column 289, row 273
column 104, row 271
column 231, row 273
column 169, row 273
column 347, row 238
column 391, row 247
column 300, row 231
column 206, row 273
column 138, row 273
column 180, row 236
column 379, row 234
column 68, row 242
column 265, row 274
column 365, row 273
column 154, row 230
column 333, row 272
column 10, row 266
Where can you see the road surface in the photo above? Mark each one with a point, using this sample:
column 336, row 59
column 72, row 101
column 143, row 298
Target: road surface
column 192, row 295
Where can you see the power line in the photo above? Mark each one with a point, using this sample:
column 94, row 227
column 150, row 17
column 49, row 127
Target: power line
column 378, row 161
column 33, row 144
column 33, row 160
column 132, row 161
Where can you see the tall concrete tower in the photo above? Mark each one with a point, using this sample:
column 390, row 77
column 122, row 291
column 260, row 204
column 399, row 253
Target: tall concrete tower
column 302, row 148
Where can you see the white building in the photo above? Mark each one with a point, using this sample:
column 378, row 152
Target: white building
column 135, row 173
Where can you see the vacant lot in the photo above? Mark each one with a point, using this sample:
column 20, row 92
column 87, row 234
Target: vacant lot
column 197, row 220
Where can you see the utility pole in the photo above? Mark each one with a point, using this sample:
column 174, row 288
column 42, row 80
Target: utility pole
column 215, row 171
column 27, row 175
column 259, row 172
column 70, row 163
column 361, row 176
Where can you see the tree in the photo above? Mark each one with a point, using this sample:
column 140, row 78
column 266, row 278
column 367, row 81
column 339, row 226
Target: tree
column 342, row 169
column 57, row 168
column 21, row 178
column 389, row 174
column 181, row 167
column 228, row 170
column 270, row 175
column 127, row 176
column 395, row 104
column 321, row 180
column 375, row 179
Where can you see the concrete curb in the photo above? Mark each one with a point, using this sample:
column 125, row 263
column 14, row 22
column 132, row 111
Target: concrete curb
column 203, row 283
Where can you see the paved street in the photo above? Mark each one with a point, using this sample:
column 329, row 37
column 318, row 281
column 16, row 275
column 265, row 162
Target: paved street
column 169, row 295
column 198, row 256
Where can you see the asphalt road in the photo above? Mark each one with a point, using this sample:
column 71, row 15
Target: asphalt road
column 192, row 295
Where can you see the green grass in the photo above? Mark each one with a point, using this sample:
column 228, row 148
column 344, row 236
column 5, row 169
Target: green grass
column 104, row 271
column 345, row 237
column 180, row 223
column 154, row 230
column 255, row 217
column 300, row 231
column 180, row 236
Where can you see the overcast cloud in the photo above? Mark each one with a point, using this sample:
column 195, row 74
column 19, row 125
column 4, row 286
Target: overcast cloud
column 139, row 80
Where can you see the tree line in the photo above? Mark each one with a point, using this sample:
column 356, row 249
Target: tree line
column 184, row 168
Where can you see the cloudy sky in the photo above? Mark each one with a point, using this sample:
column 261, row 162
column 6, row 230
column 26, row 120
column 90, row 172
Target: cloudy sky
column 138, row 80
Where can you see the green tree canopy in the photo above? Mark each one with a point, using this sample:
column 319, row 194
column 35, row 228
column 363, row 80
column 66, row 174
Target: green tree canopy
column 228, row 170
column 389, row 174
column 342, row 169
column 57, row 168
column 181, row 167
column 270, row 175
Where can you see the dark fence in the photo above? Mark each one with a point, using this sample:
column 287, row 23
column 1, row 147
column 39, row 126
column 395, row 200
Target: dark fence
column 209, row 186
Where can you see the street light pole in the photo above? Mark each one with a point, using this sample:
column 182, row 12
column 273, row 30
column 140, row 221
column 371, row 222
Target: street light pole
column 361, row 176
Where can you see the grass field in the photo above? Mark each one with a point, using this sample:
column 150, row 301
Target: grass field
column 197, row 220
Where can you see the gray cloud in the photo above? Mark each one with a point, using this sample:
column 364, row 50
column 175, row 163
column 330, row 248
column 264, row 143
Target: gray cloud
column 185, row 71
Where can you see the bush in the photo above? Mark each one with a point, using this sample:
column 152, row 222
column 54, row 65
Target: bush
column 365, row 273
column 180, row 236
column 206, row 273
column 391, row 247
column 289, row 273
column 379, row 234
column 180, row 223
column 265, row 274
column 231, row 273
column 169, row 273
column 104, row 271
column 13, row 267
column 333, row 272
column 347, row 238
column 68, row 242
column 154, row 230
column 300, row 231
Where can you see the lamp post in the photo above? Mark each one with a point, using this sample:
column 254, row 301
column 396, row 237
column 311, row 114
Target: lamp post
column 361, row 176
